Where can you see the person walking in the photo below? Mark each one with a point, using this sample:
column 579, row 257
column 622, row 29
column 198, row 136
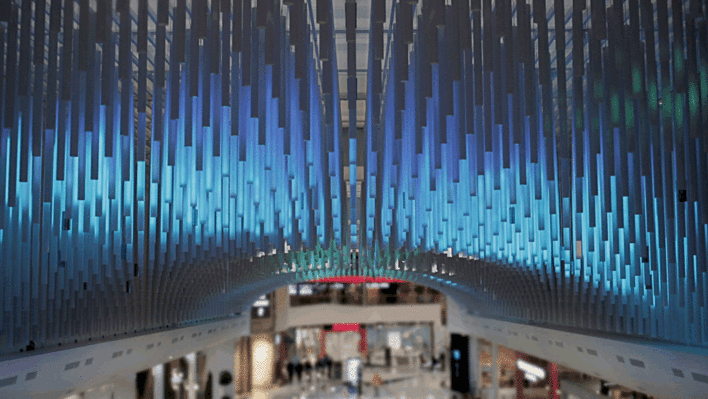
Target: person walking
column 291, row 371
column 298, row 369
column 320, row 367
column 308, row 370
column 328, row 362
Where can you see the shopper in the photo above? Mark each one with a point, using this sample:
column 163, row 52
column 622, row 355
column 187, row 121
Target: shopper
column 308, row 369
column 328, row 362
column 319, row 366
column 291, row 371
column 298, row 369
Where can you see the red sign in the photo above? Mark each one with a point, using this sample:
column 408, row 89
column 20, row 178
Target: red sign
column 356, row 280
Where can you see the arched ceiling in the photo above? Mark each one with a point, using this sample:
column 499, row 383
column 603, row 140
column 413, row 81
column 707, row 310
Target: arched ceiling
column 166, row 162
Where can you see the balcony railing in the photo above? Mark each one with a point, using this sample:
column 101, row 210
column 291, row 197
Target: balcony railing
column 363, row 294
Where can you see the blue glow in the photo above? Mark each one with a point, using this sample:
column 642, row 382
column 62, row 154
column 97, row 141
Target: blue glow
column 535, row 196
column 593, row 215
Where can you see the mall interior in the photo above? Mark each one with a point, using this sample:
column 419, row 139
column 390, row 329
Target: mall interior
column 353, row 199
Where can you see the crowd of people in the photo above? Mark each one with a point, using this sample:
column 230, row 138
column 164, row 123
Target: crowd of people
column 297, row 368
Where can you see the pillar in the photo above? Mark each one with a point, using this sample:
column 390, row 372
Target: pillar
column 553, row 381
column 363, row 346
column 334, row 297
column 494, row 369
column 323, row 340
column 262, row 361
column 191, row 380
column 282, row 357
column 519, row 377
column 474, row 367
column 158, row 384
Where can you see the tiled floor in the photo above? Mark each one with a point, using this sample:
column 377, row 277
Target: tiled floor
column 420, row 385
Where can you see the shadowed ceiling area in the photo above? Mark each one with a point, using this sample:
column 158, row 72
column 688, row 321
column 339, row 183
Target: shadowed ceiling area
column 165, row 162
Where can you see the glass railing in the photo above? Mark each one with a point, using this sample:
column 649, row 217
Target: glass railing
column 363, row 295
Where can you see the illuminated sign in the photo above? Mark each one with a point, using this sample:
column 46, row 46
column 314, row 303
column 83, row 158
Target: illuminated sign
column 261, row 307
column 532, row 372
column 263, row 302
column 305, row 289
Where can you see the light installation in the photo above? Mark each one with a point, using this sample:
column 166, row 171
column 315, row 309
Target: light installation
column 560, row 144
column 168, row 164
column 147, row 153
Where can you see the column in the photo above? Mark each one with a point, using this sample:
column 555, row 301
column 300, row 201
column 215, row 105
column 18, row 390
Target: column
column 519, row 376
column 474, row 367
column 553, row 381
column 191, row 380
column 362, row 340
column 333, row 296
column 494, row 369
column 158, row 382
column 282, row 355
column 323, row 339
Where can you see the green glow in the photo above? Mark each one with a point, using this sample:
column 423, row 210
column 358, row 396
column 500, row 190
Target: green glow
column 678, row 61
column 652, row 96
column 629, row 111
column 614, row 103
column 598, row 90
column 636, row 81
column 693, row 98
column 666, row 108
column 595, row 123
column 679, row 113
column 704, row 82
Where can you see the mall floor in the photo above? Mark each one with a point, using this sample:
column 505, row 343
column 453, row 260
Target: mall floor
column 421, row 384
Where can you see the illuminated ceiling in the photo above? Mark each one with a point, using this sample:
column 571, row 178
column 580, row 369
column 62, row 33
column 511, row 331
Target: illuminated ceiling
column 165, row 163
